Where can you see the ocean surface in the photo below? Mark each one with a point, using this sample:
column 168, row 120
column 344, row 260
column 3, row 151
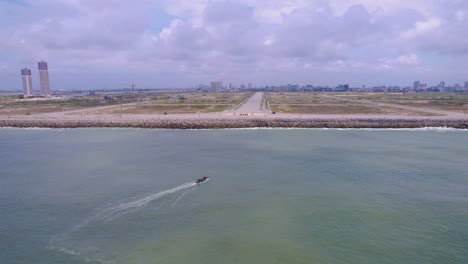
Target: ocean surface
column 275, row 196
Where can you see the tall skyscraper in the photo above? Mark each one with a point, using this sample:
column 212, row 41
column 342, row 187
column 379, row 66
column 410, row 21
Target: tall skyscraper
column 44, row 78
column 442, row 85
column 416, row 84
column 27, row 82
column 466, row 85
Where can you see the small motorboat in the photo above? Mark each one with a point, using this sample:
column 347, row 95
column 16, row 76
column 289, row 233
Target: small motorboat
column 202, row 180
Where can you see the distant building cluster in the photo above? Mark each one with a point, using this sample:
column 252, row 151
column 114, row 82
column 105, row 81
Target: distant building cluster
column 216, row 87
column 43, row 78
column 417, row 87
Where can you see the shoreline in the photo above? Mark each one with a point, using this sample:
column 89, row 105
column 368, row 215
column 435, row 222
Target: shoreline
column 222, row 123
column 437, row 129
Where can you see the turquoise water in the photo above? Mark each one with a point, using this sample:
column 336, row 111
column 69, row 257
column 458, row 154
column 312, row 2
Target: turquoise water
column 275, row 196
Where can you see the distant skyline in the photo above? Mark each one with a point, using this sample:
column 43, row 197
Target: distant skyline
column 181, row 43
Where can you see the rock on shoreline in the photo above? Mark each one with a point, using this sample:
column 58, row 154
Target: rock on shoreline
column 238, row 123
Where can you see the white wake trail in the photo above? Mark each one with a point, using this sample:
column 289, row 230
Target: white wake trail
column 145, row 200
column 113, row 212
column 64, row 242
column 181, row 196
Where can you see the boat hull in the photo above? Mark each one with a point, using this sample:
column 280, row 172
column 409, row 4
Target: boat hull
column 200, row 182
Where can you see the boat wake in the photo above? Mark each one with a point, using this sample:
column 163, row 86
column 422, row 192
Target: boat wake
column 70, row 242
column 110, row 213
column 181, row 196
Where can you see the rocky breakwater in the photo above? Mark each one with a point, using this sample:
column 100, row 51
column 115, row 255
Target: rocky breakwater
column 201, row 123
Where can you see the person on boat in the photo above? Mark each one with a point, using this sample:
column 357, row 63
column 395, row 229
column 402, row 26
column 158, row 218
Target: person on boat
column 202, row 179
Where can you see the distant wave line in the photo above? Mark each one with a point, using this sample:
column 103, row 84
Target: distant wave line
column 437, row 129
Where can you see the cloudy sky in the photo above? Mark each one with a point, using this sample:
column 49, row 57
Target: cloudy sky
column 179, row 43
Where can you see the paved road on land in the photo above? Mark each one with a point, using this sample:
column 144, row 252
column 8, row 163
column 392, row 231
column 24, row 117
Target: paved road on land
column 252, row 105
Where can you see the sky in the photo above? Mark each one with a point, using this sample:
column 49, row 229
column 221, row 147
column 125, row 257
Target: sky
column 93, row 44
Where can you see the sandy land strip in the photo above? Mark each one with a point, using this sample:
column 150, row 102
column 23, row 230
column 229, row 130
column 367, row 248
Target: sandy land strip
column 88, row 110
column 404, row 107
column 248, row 114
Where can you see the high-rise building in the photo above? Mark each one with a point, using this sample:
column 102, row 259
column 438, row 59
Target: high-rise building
column 27, row 82
column 44, row 78
column 416, row 84
column 442, row 85
column 216, row 87
column 466, row 85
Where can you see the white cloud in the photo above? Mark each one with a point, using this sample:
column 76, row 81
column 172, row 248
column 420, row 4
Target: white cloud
column 388, row 7
column 269, row 40
column 460, row 15
column 410, row 59
column 403, row 60
column 232, row 37
column 422, row 28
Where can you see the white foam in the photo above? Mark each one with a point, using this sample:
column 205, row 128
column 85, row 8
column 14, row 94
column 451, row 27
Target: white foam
column 32, row 128
column 245, row 128
column 145, row 200
column 69, row 251
column 110, row 213
column 437, row 129
column 75, row 253
column 181, row 196
column 113, row 212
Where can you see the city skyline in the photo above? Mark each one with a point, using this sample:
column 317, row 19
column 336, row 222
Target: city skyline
column 217, row 86
column 177, row 43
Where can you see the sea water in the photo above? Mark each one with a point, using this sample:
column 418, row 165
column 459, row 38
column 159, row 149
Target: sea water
column 275, row 196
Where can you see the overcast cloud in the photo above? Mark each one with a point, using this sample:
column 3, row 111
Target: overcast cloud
column 179, row 43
